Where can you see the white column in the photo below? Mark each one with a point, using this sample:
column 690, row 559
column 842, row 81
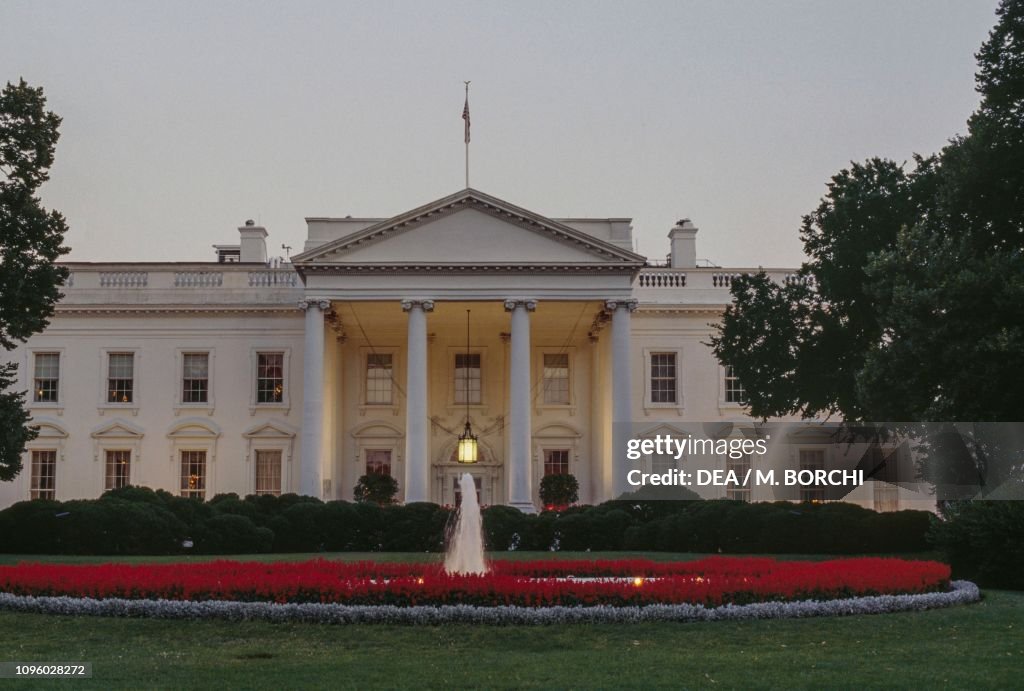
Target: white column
column 311, row 463
column 417, row 465
column 520, row 493
column 622, row 392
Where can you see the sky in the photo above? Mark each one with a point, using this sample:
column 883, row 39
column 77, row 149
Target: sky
column 184, row 119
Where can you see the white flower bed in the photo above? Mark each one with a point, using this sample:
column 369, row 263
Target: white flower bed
column 961, row 592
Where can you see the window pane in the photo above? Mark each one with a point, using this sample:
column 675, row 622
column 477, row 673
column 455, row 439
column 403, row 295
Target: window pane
column 734, row 391
column 118, row 468
column 44, row 475
column 556, row 378
column 193, row 474
column 378, row 378
column 738, row 491
column 120, row 377
column 378, row 461
column 663, row 377
column 467, row 378
column 47, row 376
column 812, row 459
column 268, row 471
column 556, row 462
column 270, row 378
column 195, row 377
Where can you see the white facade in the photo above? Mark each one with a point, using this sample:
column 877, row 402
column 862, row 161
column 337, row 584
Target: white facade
column 245, row 376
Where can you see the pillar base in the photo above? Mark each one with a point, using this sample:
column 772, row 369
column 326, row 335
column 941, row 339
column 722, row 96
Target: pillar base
column 524, row 506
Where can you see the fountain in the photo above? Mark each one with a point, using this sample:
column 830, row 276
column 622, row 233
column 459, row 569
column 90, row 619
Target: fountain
column 466, row 543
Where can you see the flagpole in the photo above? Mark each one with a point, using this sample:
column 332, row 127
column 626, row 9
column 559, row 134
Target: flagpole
column 465, row 116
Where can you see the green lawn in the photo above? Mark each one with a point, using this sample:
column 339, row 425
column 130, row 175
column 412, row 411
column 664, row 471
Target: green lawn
column 979, row 645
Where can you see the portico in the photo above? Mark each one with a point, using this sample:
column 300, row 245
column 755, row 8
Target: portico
column 385, row 340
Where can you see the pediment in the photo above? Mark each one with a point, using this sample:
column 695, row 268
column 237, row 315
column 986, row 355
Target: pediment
column 195, row 428
column 117, row 428
column 49, row 428
column 468, row 227
column 270, row 429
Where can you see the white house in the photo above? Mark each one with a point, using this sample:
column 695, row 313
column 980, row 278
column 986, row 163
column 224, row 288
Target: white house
column 248, row 376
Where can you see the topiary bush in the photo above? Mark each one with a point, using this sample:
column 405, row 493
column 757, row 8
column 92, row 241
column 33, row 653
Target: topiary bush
column 376, row 488
column 559, row 491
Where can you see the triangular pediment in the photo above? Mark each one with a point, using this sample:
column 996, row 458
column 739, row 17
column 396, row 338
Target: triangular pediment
column 117, row 428
column 469, row 227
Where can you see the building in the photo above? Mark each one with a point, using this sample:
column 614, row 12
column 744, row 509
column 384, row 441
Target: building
column 253, row 376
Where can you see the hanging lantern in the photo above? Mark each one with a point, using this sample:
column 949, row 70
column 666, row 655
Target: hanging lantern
column 467, row 446
column 468, row 450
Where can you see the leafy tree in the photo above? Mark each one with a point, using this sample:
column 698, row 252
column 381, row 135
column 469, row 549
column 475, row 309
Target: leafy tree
column 916, row 311
column 30, row 243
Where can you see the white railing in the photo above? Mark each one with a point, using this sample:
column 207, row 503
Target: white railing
column 723, row 280
column 662, row 279
column 198, row 279
column 273, row 278
column 124, row 279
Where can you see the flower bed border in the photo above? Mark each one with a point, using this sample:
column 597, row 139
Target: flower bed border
column 960, row 593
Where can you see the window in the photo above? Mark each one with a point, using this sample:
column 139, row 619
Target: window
column 378, row 378
column 118, row 468
column 661, row 463
column 734, row 391
column 737, row 491
column 269, row 377
column 44, row 474
column 556, row 378
column 556, row 462
column 195, row 378
column 663, row 377
column 467, row 378
column 193, row 474
column 812, row 459
column 120, row 377
column 47, row 377
column 378, row 462
column 268, row 471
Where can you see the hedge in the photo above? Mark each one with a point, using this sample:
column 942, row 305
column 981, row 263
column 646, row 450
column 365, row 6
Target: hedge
column 138, row 520
column 983, row 541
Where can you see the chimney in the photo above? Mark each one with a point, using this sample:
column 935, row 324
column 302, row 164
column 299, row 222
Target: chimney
column 253, row 243
column 684, row 244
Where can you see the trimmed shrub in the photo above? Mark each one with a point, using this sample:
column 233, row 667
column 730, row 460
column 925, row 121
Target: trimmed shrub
column 376, row 488
column 983, row 541
column 233, row 534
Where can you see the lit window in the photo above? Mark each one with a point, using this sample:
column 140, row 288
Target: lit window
column 193, row 474
column 378, row 378
column 663, row 377
column 118, row 469
column 378, row 461
column 737, row 490
column 556, row 462
column 734, row 391
column 556, row 378
column 44, row 475
column 195, row 383
column 269, row 377
column 467, row 378
column 268, row 471
column 47, row 377
column 120, row 377
column 812, row 459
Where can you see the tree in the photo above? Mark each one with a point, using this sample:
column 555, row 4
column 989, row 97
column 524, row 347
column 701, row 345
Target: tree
column 559, row 491
column 31, row 241
column 916, row 310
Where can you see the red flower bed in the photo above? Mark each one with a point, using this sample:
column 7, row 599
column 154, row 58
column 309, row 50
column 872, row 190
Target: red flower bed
column 714, row 581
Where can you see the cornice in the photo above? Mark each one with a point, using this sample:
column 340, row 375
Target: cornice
column 477, row 268
column 116, row 310
column 655, row 310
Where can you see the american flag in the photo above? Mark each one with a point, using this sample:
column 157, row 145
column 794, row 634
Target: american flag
column 465, row 116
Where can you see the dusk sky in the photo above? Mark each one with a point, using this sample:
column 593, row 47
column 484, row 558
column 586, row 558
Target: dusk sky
column 181, row 120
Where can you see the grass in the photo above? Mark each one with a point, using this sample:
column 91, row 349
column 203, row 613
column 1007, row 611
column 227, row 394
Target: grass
column 980, row 646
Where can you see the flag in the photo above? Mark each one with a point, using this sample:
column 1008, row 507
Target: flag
column 465, row 116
